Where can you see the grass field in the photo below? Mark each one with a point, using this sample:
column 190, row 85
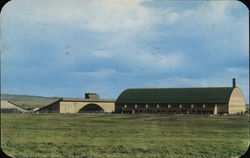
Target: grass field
column 114, row 136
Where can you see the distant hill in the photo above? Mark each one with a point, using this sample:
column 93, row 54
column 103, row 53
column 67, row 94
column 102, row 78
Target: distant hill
column 27, row 101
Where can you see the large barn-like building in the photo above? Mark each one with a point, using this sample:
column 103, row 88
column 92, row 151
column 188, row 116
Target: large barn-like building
column 203, row 100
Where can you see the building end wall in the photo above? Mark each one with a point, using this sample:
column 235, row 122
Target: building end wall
column 236, row 102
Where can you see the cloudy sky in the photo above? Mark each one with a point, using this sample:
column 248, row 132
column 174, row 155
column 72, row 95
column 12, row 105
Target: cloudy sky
column 66, row 48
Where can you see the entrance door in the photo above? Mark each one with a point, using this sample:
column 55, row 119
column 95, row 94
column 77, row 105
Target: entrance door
column 91, row 108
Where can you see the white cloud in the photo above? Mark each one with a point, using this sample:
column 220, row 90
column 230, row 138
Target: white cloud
column 200, row 19
column 100, row 16
column 102, row 53
column 100, row 74
column 173, row 17
column 123, row 16
column 149, row 62
column 214, row 23
column 236, row 71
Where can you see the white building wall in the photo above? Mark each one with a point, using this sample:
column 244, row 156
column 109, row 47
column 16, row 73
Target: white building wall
column 237, row 102
column 74, row 107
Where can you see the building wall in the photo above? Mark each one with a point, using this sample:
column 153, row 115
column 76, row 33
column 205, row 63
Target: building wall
column 166, row 108
column 236, row 106
column 108, row 107
column 74, row 107
column 222, row 108
column 236, row 102
column 54, row 108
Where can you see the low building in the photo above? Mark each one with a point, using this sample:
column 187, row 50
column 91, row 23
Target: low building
column 91, row 104
column 9, row 107
column 201, row 100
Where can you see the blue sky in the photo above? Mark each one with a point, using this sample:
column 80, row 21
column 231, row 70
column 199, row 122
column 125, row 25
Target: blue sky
column 66, row 48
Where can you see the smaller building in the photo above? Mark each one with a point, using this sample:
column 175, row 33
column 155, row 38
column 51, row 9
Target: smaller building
column 91, row 104
column 9, row 107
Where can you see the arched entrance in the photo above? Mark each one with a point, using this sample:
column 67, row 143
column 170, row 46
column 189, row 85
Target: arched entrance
column 91, row 108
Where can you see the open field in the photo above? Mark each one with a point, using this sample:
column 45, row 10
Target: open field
column 114, row 136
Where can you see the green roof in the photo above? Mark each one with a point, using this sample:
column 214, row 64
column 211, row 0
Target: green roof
column 175, row 95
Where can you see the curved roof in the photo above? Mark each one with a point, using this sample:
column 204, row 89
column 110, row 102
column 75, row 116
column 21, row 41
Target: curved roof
column 175, row 95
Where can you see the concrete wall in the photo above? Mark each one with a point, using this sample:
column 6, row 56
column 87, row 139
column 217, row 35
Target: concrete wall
column 53, row 108
column 236, row 102
column 74, row 107
column 222, row 108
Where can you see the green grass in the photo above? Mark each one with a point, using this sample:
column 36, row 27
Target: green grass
column 114, row 136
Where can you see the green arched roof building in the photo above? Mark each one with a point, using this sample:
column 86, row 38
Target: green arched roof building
column 175, row 95
column 201, row 99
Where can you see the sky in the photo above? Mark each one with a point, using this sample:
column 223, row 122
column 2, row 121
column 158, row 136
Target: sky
column 66, row 48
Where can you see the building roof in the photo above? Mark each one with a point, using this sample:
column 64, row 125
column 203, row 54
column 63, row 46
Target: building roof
column 87, row 100
column 50, row 104
column 175, row 95
column 5, row 104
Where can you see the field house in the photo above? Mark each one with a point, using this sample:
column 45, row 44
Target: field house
column 211, row 100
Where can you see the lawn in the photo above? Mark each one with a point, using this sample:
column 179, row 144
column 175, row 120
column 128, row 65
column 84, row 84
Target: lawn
column 115, row 136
